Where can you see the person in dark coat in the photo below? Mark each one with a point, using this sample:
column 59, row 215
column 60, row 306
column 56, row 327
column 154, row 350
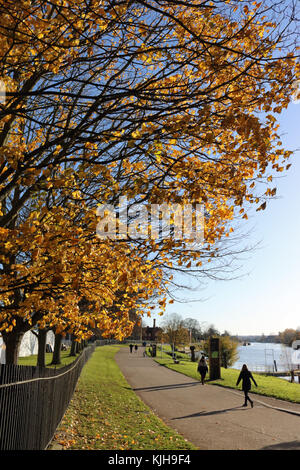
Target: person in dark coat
column 246, row 377
column 202, row 369
column 131, row 347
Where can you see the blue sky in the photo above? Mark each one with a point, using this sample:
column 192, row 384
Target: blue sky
column 266, row 299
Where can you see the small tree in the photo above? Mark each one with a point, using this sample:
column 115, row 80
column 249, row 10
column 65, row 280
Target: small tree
column 173, row 330
column 194, row 328
column 210, row 331
column 288, row 336
column 228, row 350
column 229, row 354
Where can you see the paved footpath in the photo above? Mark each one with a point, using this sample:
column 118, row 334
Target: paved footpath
column 209, row 416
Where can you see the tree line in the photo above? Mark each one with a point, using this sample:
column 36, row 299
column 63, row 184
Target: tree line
column 177, row 332
column 159, row 101
column 286, row 337
column 289, row 335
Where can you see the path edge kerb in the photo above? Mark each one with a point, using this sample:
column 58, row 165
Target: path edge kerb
column 232, row 390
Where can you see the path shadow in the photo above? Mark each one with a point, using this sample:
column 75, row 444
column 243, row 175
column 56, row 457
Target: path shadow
column 165, row 387
column 293, row 445
column 210, row 413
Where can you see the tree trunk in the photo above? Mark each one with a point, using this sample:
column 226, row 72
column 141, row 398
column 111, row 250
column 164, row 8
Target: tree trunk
column 73, row 349
column 42, row 338
column 57, row 349
column 12, row 342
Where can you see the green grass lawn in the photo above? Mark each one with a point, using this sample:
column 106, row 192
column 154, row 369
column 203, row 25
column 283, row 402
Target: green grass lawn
column 267, row 385
column 31, row 360
column 106, row 414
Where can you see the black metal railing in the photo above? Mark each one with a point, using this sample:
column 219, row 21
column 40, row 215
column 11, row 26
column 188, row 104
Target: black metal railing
column 33, row 401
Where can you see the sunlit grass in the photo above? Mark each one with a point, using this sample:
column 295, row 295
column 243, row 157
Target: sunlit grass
column 106, row 414
column 32, row 360
column 267, row 385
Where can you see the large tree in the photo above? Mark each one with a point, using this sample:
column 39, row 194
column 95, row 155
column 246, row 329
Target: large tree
column 158, row 101
column 51, row 265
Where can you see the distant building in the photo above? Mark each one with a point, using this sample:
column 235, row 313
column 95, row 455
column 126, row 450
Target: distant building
column 151, row 333
column 141, row 333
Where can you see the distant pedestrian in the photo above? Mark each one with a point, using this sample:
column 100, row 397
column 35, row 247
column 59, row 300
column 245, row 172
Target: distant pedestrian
column 136, row 347
column 202, row 369
column 246, row 377
column 131, row 347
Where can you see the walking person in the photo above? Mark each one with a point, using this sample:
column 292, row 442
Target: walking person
column 131, row 347
column 246, row 377
column 202, row 368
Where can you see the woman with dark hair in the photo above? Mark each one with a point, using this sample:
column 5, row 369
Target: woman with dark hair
column 246, row 377
column 202, row 369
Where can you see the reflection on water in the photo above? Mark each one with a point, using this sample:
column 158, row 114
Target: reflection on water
column 266, row 357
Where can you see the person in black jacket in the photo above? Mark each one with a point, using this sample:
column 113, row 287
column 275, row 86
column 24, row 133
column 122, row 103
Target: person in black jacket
column 202, row 369
column 246, row 377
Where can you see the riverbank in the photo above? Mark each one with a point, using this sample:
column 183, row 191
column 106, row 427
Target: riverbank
column 106, row 413
column 267, row 385
column 266, row 357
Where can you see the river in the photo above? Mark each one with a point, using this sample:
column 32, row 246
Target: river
column 260, row 357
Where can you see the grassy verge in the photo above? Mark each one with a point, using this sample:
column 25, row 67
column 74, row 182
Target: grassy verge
column 31, row 360
column 105, row 413
column 267, row 385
